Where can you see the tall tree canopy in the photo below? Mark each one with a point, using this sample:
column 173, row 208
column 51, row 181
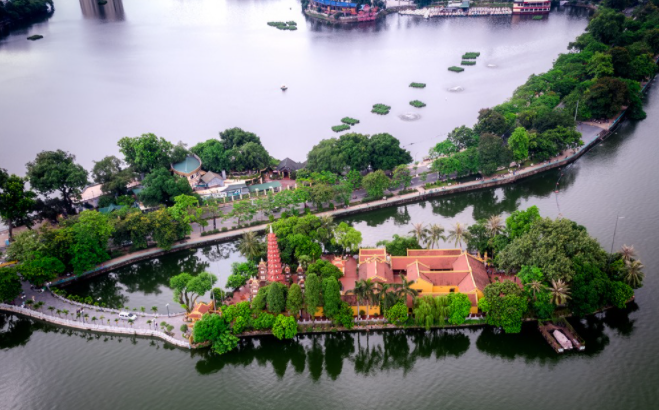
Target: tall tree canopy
column 16, row 202
column 160, row 187
column 57, row 171
column 112, row 175
column 146, row 152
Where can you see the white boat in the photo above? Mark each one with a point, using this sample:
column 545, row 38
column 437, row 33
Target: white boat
column 562, row 340
column 284, row 88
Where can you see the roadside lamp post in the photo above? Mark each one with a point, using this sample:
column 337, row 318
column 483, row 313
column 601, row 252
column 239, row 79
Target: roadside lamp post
column 167, row 309
column 618, row 217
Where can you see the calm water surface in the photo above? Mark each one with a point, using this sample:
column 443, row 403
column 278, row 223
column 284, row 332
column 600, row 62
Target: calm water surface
column 45, row 367
column 188, row 69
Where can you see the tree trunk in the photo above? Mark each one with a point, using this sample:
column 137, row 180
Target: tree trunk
column 10, row 225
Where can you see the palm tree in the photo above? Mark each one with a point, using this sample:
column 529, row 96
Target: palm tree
column 59, row 312
column 51, row 308
column 403, row 290
column 457, row 234
column 66, row 312
column 420, row 232
column 94, row 319
column 435, row 233
column 142, row 309
column 628, row 253
column 131, row 322
column 116, row 322
column 358, row 291
column 560, row 292
column 535, row 286
column 154, row 309
column 250, row 246
column 494, row 225
column 634, row 276
column 101, row 318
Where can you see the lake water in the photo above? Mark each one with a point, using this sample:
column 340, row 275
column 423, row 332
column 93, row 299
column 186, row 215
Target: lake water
column 187, row 70
column 44, row 367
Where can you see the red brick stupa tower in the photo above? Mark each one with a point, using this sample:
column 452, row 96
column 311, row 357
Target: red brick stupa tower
column 275, row 273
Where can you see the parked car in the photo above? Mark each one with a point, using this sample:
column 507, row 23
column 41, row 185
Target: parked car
column 127, row 316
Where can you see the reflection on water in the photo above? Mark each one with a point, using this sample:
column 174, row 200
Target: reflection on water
column 113, row 10
column 367, row 353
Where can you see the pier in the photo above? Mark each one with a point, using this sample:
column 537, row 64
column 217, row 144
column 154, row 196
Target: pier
column 561, row 336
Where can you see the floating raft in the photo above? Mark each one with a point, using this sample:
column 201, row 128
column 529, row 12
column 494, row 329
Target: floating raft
column 561, row 336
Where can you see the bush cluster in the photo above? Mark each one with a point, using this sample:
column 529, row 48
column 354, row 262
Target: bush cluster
column 456, row 69
column 381, row 109
column 418, row 85
column 417, row 104
column 339, row 128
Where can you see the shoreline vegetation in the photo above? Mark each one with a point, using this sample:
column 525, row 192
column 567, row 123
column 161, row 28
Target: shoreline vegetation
column 15, row 13
column 601, row 75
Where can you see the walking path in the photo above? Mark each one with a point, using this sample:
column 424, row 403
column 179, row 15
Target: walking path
column 107, row 320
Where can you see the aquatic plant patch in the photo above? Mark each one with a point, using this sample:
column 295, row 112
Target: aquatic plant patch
column 381, row 109
column 417, row 104
column 537, row 17
column 418, row 85
column 456, row 69
column 35, row 37
column 339, row 128
column 468, row 62
column 290, row 25
column 470, row 56
column 349, row 121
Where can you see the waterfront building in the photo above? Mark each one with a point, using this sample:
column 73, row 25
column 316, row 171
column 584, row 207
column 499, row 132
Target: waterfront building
column 189, row 168
column 331, row 7
column 89, row 197
column 531, row 7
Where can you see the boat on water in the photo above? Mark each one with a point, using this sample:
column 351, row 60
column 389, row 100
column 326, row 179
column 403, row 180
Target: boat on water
column 284, row 88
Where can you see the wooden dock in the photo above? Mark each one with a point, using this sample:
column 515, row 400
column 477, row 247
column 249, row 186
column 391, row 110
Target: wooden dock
column 572, row 339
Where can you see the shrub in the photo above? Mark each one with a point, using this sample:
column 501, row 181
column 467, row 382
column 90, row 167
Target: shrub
column 468, row 62
column 381, row 109
column 339, row 128
column 418, row 85
column 470, row 55
column 35, row 37
column 537, row 17
column 417, row 104
column 456, row 69
column 349, row 121
column 225, row 229
column 184, row 328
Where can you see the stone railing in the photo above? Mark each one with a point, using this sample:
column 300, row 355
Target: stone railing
column 94, row 328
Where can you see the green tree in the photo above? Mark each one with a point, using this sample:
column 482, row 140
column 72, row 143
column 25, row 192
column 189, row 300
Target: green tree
column 41, row 269
column 399, row 245
column 214, row 329
column 113, row 177
column 401, row 177
column 320, row 194
column 57, row 171
column 324, row 269
column 312, row 291
column 459, row 308
column 620, row 294
column 387, row 153
column 243, row 211
column 165, row 230
column 551, row 245
column 347, row 237
column 491, row 122
column 91, row 233
column 294, row 299
column 276, row 298
column 463, row 137
column 520, row 222
column 161, row 187
column 519, row 144
column 634, row 273
column 505, row 305
column 397, row 314
column 10, row 284
column 325, row 156
column 184, row 212
column 458, row 234
column 355, row 151
column 16, row 202
column 285, row 327
column 146, row 152
column 493, row 153
column 331, row 297
column 420, row 232
column 606, row 26
column 237, row 137
column 240, row 273
column 606, row 97
column 443, row 148
column 343, row 192
column 264, row 321
column 213, row 155
column 188, row 288
column 375, row 183
column 600, row 65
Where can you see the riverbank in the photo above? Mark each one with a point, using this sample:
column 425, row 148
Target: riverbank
column 591, row 134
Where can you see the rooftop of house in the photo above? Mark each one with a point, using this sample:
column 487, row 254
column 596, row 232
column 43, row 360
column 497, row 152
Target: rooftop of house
column 209, row 176
column 189, row 164
column 90, row 192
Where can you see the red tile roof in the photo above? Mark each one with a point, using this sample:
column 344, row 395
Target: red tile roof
column 433, row 252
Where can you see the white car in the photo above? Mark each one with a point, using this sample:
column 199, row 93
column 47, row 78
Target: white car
column 127, row 316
